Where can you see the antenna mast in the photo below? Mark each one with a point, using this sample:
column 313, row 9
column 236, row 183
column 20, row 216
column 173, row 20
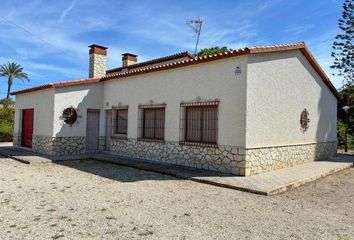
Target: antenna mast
column 196, row 26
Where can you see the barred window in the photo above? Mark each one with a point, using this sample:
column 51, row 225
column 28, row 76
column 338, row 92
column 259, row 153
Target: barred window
column 121, row 121
column 152, row 123
column 200, row 123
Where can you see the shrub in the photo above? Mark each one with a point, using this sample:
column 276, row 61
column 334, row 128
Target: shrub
column 6, row 130
column 7, row 114
column 6, row 123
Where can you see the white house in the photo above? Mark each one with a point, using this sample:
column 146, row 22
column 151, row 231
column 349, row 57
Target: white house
column 243, row 112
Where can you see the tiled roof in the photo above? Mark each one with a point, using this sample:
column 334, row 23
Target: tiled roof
column 197, row 60
column 153, row 61
column 208, row 58
column 59, row 84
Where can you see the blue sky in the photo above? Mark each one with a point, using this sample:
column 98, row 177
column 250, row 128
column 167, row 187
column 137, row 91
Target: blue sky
column 49, row 38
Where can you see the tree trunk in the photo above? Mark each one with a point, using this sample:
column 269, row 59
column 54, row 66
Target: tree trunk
column 9, row 83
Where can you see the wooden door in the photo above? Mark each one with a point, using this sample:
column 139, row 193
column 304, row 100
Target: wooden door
column 27, row 127
column 108, row 129
column 92, row 130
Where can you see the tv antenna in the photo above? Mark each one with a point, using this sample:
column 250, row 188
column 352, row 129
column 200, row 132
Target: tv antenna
column 196, row 26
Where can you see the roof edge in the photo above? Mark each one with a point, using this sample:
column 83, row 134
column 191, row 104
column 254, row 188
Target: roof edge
column 320, row 71
column 58, row 85
column 33, row 89
column 306, row 52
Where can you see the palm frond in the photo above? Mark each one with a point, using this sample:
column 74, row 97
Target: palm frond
column 13, row 70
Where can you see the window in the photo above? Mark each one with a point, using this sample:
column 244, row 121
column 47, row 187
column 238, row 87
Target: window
column 200, row 123
column 152, row 122
column 121, row 121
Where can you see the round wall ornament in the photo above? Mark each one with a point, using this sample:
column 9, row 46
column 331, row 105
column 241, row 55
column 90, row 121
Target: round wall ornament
column 304, row 120
column 69, row 115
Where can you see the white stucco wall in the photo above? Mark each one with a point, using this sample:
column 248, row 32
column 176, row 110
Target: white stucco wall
column 82, row 97
column 42, row 102
column 215, row 80
column 279, row 87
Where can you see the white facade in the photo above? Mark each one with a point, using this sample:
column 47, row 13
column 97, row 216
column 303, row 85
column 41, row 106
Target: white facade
column 81, row 97
column 208, row 81
column 42, row 102
column 279, row 87
column 261, row 97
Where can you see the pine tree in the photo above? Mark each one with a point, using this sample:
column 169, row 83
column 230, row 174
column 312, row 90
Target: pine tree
column 343, row 46
column 212, row 50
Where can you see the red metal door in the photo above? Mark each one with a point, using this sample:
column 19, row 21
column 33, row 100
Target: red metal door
column 27, row 128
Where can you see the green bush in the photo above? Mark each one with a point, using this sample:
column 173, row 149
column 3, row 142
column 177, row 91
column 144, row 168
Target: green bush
column 6, row 123
column 6, row 130
column 341, row 134
column 7, row 114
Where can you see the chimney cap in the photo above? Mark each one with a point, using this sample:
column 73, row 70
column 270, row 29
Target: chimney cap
column 129, row 54
column 97, row 49
column 97, row 46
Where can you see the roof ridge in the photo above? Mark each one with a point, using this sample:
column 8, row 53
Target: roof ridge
column 195, row 59
column 151, row 61
column 279, row 45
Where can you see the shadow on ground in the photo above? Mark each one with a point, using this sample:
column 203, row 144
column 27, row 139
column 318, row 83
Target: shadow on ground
column 105, row 165
column 113, row 171
column 341, row 157
column 111, row 166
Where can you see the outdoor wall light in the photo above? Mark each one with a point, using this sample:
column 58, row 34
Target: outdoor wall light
column 346, row 108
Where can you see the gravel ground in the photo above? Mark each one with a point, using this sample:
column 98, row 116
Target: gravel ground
column 93, row 200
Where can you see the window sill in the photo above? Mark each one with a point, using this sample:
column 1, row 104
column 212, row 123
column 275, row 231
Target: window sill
column 200, row 144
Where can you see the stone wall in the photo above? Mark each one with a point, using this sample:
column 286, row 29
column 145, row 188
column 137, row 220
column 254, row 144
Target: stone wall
column 266, row 159
column 223, row 158
column 226, row 159
column 69, row 146
column 17, row 139
column 59, row 146
column 42, row 144
column 97, row 65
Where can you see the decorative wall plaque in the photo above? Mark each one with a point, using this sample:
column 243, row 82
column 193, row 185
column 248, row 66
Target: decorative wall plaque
column 304, row 120
column 69, row 115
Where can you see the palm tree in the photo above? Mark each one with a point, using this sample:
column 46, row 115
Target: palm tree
column 12, row 71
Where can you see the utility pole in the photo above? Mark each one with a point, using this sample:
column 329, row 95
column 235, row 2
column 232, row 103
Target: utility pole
column 196, row 26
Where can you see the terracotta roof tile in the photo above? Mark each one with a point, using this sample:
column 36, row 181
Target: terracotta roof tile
column 152, row 61
column 58, row 85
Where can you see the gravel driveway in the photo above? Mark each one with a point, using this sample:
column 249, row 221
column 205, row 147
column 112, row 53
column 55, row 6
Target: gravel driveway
column 93, row 200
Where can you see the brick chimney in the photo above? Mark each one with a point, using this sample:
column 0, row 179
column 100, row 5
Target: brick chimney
column 129, row 59
column 97, row 62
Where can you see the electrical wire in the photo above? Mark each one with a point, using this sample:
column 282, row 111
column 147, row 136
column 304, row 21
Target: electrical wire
column 35, row 35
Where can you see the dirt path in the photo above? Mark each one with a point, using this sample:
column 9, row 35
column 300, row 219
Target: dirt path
column 93, row 200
